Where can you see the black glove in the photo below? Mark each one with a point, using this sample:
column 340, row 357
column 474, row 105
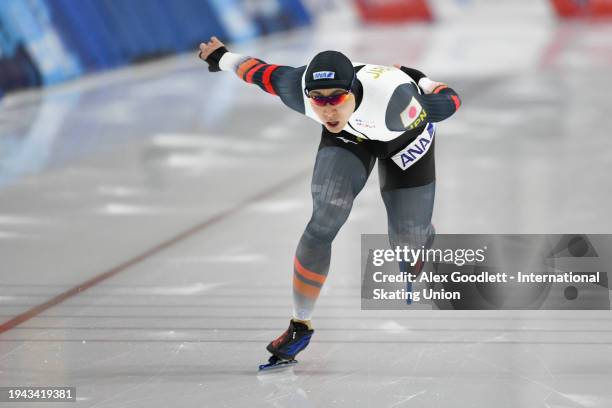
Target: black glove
column 214, row 58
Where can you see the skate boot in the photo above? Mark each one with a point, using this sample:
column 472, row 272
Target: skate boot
column 288, row 345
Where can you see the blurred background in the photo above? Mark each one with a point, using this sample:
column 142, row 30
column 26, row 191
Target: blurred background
column 149, row 209
column 45, row 42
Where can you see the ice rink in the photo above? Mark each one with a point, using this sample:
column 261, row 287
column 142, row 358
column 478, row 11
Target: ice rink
column 149, row 218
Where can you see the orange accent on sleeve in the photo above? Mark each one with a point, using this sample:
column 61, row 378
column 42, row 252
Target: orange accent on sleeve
column 244, row 67
column 457, row 101
column 439, row 88
column 304, row 289
column 266, row 79
column 307, row 273
column 252, row 71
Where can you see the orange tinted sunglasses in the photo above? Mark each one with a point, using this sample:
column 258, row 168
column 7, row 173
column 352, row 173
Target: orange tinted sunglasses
column 332, row 100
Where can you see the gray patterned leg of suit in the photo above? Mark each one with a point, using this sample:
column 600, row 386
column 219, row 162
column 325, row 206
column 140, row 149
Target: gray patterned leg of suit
column 409, row 212
column 337, row 179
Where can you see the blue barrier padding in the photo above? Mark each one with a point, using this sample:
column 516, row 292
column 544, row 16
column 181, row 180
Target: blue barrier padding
column 238, row 24
column 166, row 40
column 125, row 34
column 298, row 13
column 199, row 22
column 31, row 26
column 18, row 71
column 174, row 22
column 277, row 15
column 59, row 39
column 83, row 30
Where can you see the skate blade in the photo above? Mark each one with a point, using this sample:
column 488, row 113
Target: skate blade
column 277, row 365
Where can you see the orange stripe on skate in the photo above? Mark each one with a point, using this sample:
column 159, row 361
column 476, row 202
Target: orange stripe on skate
column 304, row 289
column 305, row 273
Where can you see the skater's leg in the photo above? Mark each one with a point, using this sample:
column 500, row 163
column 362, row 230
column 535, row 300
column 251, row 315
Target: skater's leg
column 409, row 212
column 340, row 172
column 409, row 198
column 339, row 175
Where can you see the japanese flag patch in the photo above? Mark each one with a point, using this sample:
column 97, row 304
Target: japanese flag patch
column 413, row 115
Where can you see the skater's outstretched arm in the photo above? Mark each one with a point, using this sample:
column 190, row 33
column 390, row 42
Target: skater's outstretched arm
column 439, row 100
column 281, row 80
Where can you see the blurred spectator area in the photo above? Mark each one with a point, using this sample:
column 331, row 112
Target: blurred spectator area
column 43, row 42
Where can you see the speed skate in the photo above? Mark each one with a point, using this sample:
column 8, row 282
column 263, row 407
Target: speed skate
column 287, row 346
column 276, row 363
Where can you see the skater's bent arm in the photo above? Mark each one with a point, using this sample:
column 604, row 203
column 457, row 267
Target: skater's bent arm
column 439, row 101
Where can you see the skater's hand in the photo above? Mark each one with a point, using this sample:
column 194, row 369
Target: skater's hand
column 211, row 52
column 207, row 48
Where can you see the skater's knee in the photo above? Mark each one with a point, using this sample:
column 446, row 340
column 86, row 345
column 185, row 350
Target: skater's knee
column 327, row 218
column 409, row 233
column 321, row 231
